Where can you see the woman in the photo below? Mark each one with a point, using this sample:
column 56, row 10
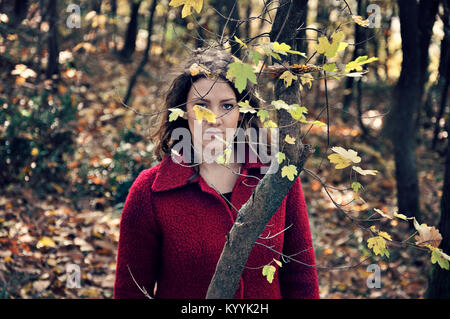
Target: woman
column 177, row 213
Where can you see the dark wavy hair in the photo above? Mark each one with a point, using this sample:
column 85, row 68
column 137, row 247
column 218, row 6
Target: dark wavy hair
column 216, row 60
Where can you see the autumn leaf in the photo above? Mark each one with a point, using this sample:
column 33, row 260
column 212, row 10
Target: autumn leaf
column 175, row 113
column 307, row 79
column 45, row 242
column 280, row 157
column 329, row 67
column 188, row 5
column 360, row 21
column 284, row 48
column 289, row 171
column 202, row 112
column 225, row 157
column 270, row 124
column 278, row 262
column 297, row 112
column 240, row 42
column 290, row 140
column 441, row 258
column 262, row 114
column 364, row 171
column 280, row 104
column 331, row 49
column 245, row 107
column 287, row 76
column 427, row 235
column 254, row 56
column 378, row 245
column 240, row 73
column 356, row 186
column 350, row 154
column 358, row 62
column 339, row 160
column 195, row 69
column 269, row 272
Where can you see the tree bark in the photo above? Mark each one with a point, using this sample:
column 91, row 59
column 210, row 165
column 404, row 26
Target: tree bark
column 272, row 189
column 399, row 124
column 428, row 10
column 53, row 52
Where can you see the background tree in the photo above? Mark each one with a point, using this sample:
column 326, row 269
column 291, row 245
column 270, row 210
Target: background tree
column 129, row 45
column 400, row 121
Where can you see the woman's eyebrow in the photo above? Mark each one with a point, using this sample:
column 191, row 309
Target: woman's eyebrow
column 206, row 100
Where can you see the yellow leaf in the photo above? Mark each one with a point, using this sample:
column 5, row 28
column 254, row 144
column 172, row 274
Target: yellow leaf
column 385, row 235
column 188, row 5
column 339, row 160
column 270, row 124
column 195, row 69
column 307, row 79
column 45, row 242
column 360, row 21
column 287, row 76
column 378, row 245
column 202, row 112
column 289, row 171
column 350, row 154
column 290, row 140
column 240, row 42
column 330, row 49
column 364, row 171
column 34, row 151
column 175, row 113
column 278, row 262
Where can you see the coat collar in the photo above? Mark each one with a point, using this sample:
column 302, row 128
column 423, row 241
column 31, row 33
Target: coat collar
column 173, row 174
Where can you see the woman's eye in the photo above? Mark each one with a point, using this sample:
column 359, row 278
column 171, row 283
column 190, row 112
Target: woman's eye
column 228, row 106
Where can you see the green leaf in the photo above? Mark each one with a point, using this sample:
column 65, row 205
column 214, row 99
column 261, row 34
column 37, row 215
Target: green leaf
column 331, row 49
column 356, row 186
column 240, row 73
column 289, row 171
column 356, row 65
column 329, row 67
column 269, row 272
column 245, row 107
column 436, row 256
column 262, row 114
column 284, row 49
column 280, row 157
column 254, row 56
column 175, row 113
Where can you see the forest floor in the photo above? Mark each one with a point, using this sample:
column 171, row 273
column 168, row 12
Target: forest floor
column 39, row 236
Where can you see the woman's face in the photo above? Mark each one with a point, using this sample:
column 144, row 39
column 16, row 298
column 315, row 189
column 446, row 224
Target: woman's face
column 218, row 97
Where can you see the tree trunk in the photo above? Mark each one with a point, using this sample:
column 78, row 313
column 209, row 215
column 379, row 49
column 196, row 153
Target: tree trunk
column 146, row 53
column 53, row 52
column 428, row 10
column 399, row 124
column 439, row 283
column 20, row 11
column 444, row 71
column 272, row 189
column 130, row 38
column 248, row 12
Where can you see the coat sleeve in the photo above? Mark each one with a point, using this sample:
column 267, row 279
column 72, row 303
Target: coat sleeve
column 138, row 246
column 298, row 280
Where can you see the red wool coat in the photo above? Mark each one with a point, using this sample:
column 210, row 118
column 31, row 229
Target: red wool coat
column 172, row 232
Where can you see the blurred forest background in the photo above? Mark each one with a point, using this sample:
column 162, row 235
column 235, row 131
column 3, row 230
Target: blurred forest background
column 75, row 99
